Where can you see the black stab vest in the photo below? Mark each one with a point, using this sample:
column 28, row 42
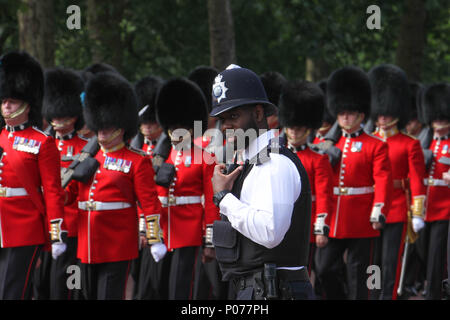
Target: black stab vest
column 239, row 256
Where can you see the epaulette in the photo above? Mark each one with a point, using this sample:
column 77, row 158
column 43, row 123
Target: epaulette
column 40, row 131
column 135, row 150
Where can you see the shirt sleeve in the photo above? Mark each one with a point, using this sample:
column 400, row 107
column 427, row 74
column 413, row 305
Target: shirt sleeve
column 263, row 212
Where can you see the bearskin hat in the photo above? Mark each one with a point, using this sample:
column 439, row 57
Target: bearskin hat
column 273, row 83
column 110, row 102
column 146, row 92
column 327, row 117
column 415, row 111
column 390, row 92
column 204, row 77
column 62, row 95
column 348, row 89
column 180, row 102
column 22, row 78
column 435, row 102
column 100, row 67
column 301, row 104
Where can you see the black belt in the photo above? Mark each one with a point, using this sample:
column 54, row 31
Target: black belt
column 282, row 274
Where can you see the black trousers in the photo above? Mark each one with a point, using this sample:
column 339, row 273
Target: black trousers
column 182, row 273
column 415, row 269
column 434, row 241
column 41, row 277
column 105, row 281
column 58, row 273
column 16, row 271
column 360, row 253
column 135, row 269
column 393, row 241
column 153, row 277
column 208, row 283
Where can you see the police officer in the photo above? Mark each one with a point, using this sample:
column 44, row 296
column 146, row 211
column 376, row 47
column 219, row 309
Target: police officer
column 63, row 111
column 362, row 183
column 301, row 112
column 184, row 184
column 262, row 239
column 390, row 100
column 436, row 112
column 108, row 219
column 31, row 197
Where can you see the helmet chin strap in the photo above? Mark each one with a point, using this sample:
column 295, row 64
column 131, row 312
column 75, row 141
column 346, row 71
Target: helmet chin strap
column 60, row 125
column 17, row 113
column 355, row 123
column 440, row 127
column 114, row 135
column 390, row 123
column 180, row 138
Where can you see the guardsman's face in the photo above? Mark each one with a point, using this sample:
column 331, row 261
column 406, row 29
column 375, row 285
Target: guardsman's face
column 413, row 127
column 65, row 125
column 441, row 127
column 9, row 106
column 296, row 135
column 151, row 130
column 384, row 122
column 349, row 120
column 110, row 137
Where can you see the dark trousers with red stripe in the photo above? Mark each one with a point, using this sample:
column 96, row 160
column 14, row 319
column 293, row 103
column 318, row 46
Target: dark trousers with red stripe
column 393, row 243
column 58, row 272
column 359, row 257
column 16, row 271
column 182, row 273
column 105, row 281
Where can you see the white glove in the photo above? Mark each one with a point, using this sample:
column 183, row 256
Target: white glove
column 418, row 224
column 58, row 248
column 158, row 251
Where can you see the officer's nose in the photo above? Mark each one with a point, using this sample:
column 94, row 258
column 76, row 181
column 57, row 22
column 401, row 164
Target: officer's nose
column 226, row 124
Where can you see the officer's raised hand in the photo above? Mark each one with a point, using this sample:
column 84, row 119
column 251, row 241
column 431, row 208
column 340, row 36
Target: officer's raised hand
column 222, row 181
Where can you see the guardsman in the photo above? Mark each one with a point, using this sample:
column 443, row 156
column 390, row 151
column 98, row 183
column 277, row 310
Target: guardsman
column 390, row 103
column 362, row 184
column 436, row 111
column 145, row 271
column 301, row 112
column 31, row 197
column 327, row 120
column 185, row 188
column 63, row 111
column 108, row 237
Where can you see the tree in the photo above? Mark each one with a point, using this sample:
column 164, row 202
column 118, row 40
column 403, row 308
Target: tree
column 36, row 30
column 411, row 39
column 221, row 33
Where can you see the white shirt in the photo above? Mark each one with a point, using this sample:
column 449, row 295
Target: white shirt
column 263, row 212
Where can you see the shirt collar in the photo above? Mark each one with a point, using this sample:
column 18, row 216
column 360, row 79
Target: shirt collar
column 255, row 147
column 296, row 149
column 387, row 133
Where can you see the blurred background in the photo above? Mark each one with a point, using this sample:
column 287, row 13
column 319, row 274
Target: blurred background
column 305, row 39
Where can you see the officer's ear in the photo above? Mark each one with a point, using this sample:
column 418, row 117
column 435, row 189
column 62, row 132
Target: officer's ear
column 258, row 111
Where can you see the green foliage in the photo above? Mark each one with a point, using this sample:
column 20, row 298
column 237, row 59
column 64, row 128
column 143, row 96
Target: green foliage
column 169, row 38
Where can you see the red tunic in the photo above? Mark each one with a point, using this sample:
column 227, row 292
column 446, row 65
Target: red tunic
column 183, row 224
column 364, row 164
column 406, row 158
column 112, row 235
column 69, row 148
column 30, row 159
column 438, row 196
column 320, row 175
